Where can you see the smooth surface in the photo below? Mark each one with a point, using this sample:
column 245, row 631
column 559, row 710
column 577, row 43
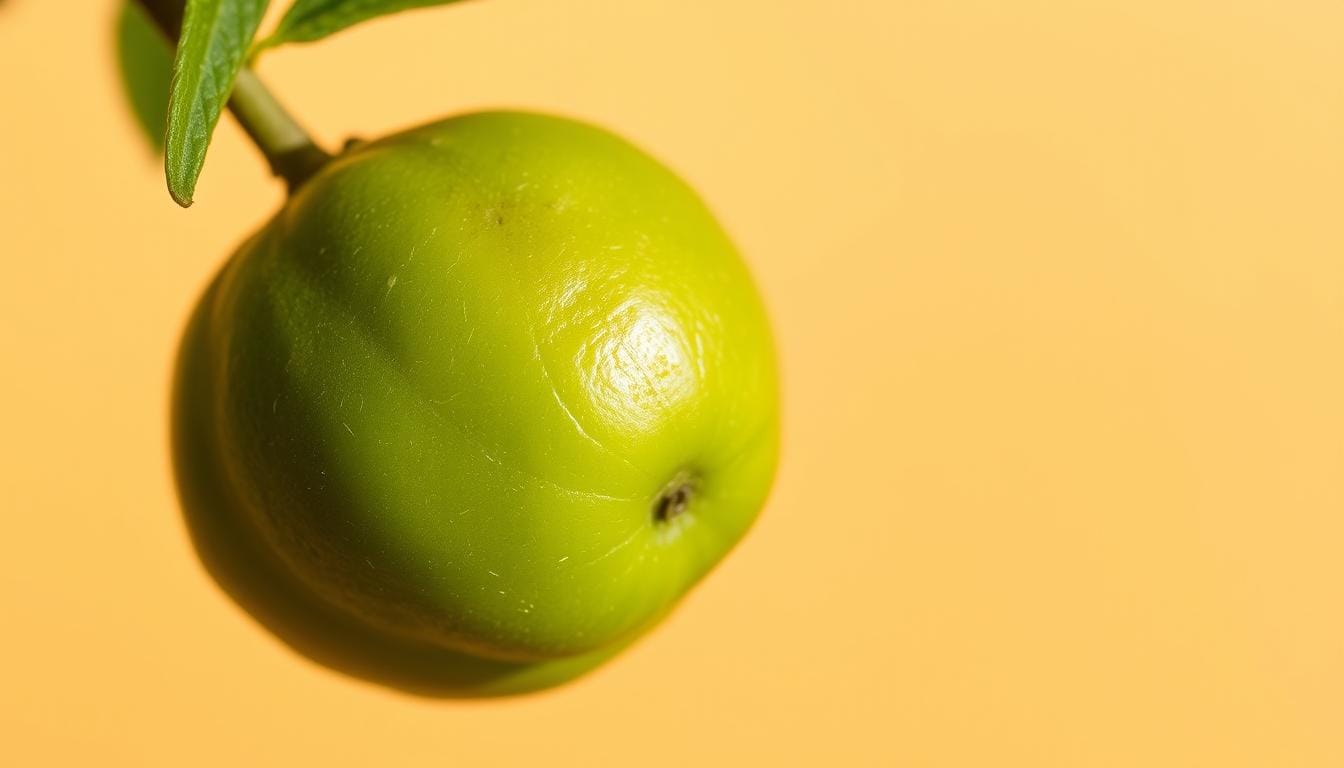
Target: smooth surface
column 455, row 375
column 1060, row 304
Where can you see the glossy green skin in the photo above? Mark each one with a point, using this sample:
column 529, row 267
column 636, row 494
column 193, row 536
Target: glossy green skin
column 458, row 369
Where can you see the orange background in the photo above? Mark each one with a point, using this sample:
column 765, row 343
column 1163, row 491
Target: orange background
column 1059, row 288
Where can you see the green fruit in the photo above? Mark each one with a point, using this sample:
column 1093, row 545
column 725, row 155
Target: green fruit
column 499, row 384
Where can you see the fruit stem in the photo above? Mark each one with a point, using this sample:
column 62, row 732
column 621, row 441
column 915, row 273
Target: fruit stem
column 288, row 148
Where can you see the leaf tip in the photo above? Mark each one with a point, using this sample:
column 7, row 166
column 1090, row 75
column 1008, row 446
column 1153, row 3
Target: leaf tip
column 181, row 197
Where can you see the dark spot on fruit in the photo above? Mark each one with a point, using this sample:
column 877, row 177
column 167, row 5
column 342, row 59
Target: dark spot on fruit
column 673, row 501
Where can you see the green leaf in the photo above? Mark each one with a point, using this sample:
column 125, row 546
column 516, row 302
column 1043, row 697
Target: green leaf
column 215, row 37
column 309, row 20
column 146, row 63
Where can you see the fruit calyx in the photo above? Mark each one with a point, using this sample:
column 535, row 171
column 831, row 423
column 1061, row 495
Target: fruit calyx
column 675, row 499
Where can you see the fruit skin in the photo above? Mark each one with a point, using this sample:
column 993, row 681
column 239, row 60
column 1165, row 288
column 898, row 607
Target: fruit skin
column 455, row 375
column 247, row 568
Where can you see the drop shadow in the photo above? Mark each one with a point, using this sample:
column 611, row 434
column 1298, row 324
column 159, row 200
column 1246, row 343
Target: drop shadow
column 241, row 563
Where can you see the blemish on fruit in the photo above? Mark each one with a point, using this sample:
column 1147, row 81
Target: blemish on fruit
column 673, row 501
